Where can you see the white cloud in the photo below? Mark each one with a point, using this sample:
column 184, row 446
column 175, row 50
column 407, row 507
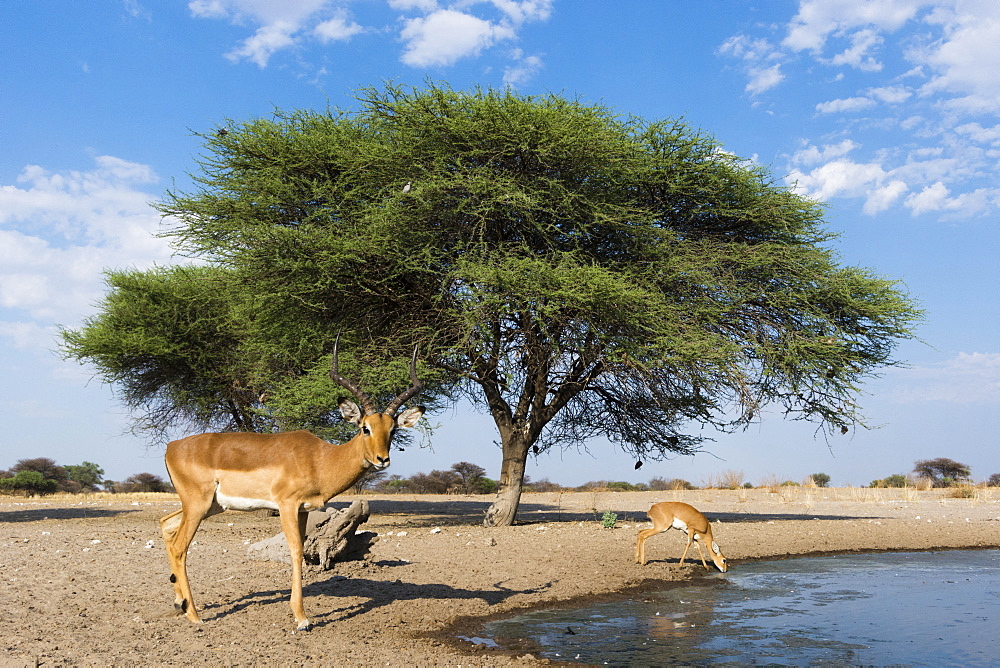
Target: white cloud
column 338, row 28
column 849, row 104
column 812, row 155
column 891, row 94
column 967, row 378
column 761, row 61
column 522, row 11
column 937, row 198
column 445, row 36
column 60, row 230
column 846, row 178
column 978, row 133
column 858, row 55
column 818, row 20
column 407, row 5
column 763, row 78
column 265, row 42
column 525, row 68
column 439, row 35
column 281, row 23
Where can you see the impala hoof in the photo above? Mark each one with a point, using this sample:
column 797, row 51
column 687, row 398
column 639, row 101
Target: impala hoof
column 304, row 626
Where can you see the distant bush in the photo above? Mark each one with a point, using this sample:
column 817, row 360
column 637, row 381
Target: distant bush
column 994, row 480
column 820, row 479
column 144, row 482
column 895, row 480
column 29, row 483
column 395, row 484
column 962, row 491
column 608, row 519
column 544, row 485
column 661, row 485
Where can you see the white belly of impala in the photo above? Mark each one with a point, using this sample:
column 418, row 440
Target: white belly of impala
column 242, row 503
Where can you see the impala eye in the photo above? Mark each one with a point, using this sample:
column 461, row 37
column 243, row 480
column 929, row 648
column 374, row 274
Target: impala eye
column 366, row 430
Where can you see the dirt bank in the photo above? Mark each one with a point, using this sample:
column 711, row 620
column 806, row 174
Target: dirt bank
column 85, row 580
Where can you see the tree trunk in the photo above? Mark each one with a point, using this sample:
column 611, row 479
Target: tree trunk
column 515, row 458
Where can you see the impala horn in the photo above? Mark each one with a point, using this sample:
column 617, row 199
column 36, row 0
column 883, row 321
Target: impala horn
column 353, row 388
column 366, row 403
column 415, row 387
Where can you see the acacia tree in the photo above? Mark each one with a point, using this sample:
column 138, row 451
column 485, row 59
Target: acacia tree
column 941, row 471
column 570, row 271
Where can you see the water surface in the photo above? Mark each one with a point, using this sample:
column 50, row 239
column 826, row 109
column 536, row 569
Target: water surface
column 916, row 608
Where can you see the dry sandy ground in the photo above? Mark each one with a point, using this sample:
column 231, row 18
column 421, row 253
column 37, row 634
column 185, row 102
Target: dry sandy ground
column 85, row 581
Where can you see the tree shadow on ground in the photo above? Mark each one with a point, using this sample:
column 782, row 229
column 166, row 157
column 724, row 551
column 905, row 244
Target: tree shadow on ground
column 377, row 593
column 466, row 512
column 61, row 513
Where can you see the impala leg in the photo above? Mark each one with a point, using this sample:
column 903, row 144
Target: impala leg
column 178, row 530
column 686, row 548
column 702, row 554
column 293, row 523
column 640, row 544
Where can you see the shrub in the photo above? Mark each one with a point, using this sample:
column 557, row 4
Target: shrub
column 895, row 480
column 820, row 479
column 28, row 483
column 544, row 485
column 994, row 480
column 608, row 519
column 674, row 484
column 144, row 482
column 962, row 491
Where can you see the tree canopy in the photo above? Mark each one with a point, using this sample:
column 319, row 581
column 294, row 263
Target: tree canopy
column 941, row 471
column 573, row 272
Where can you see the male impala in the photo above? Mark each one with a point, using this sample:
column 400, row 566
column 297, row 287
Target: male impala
column 290, row 472
column 676, row 515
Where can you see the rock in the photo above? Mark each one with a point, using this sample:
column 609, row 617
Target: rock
column 331, row 536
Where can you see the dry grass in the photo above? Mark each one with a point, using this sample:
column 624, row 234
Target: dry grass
column 125, row 497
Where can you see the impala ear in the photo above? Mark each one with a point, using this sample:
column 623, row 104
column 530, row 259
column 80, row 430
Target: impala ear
column 409, row 417
column 350, row 410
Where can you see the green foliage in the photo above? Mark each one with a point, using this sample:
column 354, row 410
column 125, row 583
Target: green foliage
column 28, row 483
column 88, row 475
column 621, row 486
column 820, row 479
column 660, row 484
column 894, row 480
column 608, row 519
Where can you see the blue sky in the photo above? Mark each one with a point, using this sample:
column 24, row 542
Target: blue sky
column 887, row 110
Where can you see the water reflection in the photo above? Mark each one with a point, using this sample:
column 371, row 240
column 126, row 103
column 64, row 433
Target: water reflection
column 876, row 609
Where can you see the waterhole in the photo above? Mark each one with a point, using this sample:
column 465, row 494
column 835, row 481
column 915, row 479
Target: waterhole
column 915, row 608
